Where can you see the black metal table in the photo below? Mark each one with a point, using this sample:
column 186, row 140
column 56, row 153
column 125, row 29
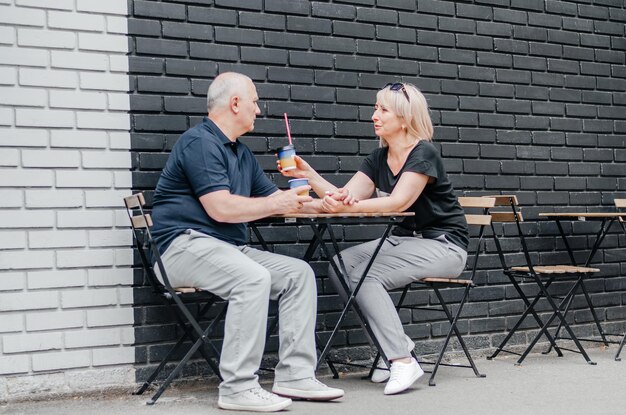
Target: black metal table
column 322, row 223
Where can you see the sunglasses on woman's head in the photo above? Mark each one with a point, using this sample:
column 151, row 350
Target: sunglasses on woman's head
column 398, row 86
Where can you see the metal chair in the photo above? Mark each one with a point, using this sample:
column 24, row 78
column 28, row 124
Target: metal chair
column 476, row 222
column 543, row 276
column 181, row 301
column 621, row 204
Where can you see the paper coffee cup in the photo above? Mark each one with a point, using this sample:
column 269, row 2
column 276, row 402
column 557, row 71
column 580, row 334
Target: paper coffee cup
column 297, row 183
column 287, row 155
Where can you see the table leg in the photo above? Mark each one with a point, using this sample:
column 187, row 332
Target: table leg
column 564, row 238
column 604, row 228
column 621, row 344
column 619, row 349
column 258, row 235
column 351, row 299
column 307, row 257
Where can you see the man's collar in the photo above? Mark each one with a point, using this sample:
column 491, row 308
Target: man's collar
column 233, row 146
column 216, row 130
column 225, row 140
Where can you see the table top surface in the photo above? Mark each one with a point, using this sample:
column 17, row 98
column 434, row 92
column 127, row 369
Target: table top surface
column 334, row 218
column 344, row 215
column 591, row 215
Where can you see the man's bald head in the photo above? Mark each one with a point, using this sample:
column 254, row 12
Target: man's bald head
column 223, row 87
column 232, row 104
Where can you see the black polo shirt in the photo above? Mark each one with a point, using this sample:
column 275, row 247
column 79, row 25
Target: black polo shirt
column 202, row 161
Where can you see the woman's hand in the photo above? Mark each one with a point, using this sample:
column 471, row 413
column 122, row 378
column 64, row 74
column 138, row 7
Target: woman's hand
column 343, row 195
column 331, row 205
column 302, row 170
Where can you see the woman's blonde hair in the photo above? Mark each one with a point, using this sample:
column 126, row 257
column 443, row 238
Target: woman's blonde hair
column 413, row 110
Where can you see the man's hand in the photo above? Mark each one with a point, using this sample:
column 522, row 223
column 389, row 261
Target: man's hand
column 288, row 201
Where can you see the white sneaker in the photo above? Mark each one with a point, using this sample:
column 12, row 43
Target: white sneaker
column 255, row 400
column 381, row 373
column 402, row 376
column 308, row 388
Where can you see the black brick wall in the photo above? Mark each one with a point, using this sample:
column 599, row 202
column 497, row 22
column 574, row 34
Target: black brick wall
column 526, row 97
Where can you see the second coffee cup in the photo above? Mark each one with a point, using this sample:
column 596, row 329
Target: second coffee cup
column 297, row 183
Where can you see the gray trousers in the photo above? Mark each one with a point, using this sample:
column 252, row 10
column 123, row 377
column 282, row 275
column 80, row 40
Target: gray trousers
column 248, row 278
column 401, row 260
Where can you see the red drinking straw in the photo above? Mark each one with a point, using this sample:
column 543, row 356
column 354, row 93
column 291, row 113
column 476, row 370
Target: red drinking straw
column 287, row 125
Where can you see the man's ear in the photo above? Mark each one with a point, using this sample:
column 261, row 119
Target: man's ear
column 234, row 104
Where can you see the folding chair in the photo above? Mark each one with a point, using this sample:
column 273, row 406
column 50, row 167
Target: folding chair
column 543, row 276
column 181, row 301
column 476, row 222
column 621, row 204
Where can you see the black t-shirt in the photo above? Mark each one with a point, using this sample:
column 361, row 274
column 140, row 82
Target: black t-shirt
column 437, row 210
column 202, row 161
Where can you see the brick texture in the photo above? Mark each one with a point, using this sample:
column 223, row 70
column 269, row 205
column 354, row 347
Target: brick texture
column 520, row 93
column 63, row 248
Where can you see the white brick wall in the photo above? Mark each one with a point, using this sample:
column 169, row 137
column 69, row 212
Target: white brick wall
column 65, row 285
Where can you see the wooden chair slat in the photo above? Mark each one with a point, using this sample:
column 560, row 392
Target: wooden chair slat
column 478, row 219
column 446, row 281
column 134, row 201
column 620, row 203
column 506, row 217
column 476, row 202
column 503, row 200
column 557, row 269
column 142, row 222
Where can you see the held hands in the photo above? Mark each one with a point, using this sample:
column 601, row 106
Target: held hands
column 335, row 202
column 301, row 171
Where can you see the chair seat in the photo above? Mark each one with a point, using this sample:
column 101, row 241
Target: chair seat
column 438, row 280
column 557, row 269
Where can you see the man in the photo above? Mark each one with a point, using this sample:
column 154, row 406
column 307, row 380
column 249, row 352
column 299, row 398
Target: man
column 210, row 187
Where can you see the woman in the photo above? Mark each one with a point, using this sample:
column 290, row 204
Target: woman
column 405, row 174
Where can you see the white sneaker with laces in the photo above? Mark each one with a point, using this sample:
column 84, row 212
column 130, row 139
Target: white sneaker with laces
column 308, row 388
column 254, row 400
column 381, row 373
column 403, row 375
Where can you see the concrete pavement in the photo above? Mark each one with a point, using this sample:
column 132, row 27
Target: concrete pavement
column 542, row 385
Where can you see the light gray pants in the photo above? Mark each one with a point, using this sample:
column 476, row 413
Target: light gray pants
column 400, row 261
column 248, row 278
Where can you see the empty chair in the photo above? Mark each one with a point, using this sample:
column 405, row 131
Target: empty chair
column 543, row 276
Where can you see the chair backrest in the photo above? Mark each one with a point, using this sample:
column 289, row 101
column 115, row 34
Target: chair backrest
column 480, row 203
column 514, row 215
column 141, row 222
column 479, row 221
column 620, row 203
